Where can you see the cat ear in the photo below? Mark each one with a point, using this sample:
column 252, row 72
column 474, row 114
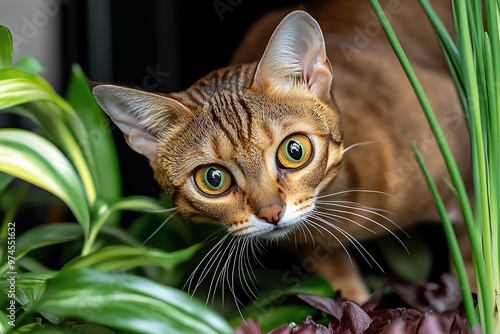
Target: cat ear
column 140, row 115
column 296, row 52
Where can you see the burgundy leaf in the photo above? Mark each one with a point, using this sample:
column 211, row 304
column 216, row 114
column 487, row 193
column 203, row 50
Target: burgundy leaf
column 332, row 307
column 433, row 323
column 395, row 320
column 375, row 298
column 442, row 297
column 354, row 320
column 250, row 326
column 310, row 327
column 283, row 329
column 447, row 296
column 460, row 325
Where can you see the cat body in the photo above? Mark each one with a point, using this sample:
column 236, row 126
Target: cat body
column 307, row 136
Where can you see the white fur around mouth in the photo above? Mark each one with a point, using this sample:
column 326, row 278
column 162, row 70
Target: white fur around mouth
column 290, row 220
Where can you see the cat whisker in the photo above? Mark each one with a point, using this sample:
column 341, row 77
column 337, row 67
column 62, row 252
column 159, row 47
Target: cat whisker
column 249, row 266
column 357, row 245
column 332, row 215
column 360, row 207
column 324, row 206
column 229, row 251
column 317, row 225
column 258, row 244
column 357, row 145
column 246, row 270
column 161, row 210
column 174, row 211
column 353, row 204
column 310, row 234
column 238, row 266
column 343, row 192
column 312, row 237
column 230, row 259
column 214, row 250
column 227, row 273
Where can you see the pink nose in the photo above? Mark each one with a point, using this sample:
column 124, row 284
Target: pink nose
column 271, row 214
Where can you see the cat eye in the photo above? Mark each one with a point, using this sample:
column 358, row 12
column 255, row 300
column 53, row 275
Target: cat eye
column 294, row 152
column 212, row 180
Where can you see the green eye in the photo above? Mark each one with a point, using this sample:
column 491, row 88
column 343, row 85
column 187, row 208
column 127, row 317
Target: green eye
column 213, row 180
column 294, row 152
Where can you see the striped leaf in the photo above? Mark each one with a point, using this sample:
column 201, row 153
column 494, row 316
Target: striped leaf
column 127, row 303
column 30, row 157
column 122, row 257
column 31, row 96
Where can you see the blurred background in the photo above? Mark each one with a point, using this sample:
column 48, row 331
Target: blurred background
column 159, row 45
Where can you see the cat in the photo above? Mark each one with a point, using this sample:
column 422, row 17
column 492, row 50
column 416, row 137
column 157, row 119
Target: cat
column 305, row 138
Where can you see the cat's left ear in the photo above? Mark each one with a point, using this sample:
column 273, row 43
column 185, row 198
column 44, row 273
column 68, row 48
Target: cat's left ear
column 296, row 53
column 140, row 115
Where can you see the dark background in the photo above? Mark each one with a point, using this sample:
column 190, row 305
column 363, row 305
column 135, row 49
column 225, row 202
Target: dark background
column 157, row 45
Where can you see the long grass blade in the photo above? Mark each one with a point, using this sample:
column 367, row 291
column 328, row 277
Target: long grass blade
column 452, row 167
column 451, row 239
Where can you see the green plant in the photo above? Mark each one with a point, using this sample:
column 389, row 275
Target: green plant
column 108, row 282
column 118, row 284
column 474, row 62
column 71, row 155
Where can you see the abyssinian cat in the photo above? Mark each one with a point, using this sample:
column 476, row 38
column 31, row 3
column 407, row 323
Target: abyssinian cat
column 306, row 138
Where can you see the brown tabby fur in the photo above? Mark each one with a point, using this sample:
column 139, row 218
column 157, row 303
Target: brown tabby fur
column 237, row 118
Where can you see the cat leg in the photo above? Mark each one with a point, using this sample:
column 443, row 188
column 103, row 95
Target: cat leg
column 341, row 271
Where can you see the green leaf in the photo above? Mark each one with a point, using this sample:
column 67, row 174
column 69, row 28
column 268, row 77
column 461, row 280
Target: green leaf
column 5, row 180
column 66, row 328
column 451, row 238
column 5, row 47
column 28, row 286
column 4, row 322
column 29, row 328
column 108, row 181
column 120, row 234
column 17, row 87
column 46, row 235
column 126, row 302
column 30, row 157
column 31, row 96
column 273, row 308
column 28, row 263
column 133, row 203
column 125, row 257
column 29, row 65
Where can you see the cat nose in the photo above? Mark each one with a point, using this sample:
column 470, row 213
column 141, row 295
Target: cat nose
column 271, row 214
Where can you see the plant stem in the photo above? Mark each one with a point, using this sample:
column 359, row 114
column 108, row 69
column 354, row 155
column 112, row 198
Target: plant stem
column 452, row 240
column 450, row 162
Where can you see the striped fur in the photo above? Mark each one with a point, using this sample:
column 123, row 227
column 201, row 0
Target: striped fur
column 361, row 168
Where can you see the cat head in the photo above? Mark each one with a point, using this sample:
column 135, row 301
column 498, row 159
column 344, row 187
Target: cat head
column 249, row 145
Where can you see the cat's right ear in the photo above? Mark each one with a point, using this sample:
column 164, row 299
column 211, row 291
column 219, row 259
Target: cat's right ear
column 140, row 115
column 295, row 53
